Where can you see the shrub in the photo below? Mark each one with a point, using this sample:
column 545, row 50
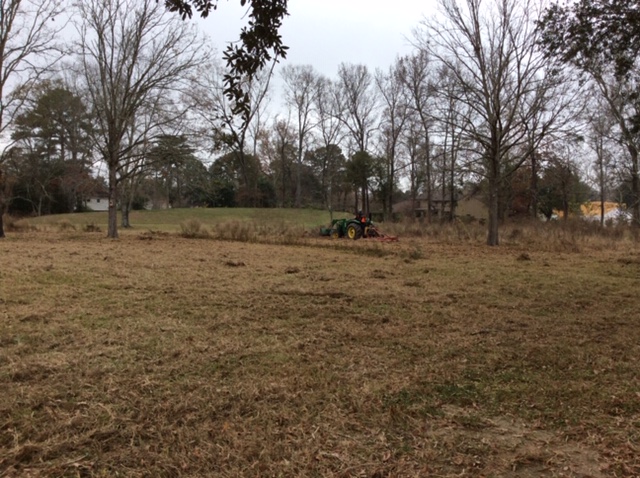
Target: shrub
column 192, row 229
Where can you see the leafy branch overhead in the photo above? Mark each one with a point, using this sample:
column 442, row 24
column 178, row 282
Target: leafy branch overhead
column 601, row 38
column 593, row 33
column 260, row 42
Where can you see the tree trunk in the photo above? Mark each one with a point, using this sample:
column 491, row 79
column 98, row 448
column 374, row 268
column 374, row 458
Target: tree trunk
column 326, row 189
column 635, row 189
column 452, row 193
column 112, row 229
column 414, row 187
column 367, row 208
column 534, row 186
column 179, row 188
column 298, row 198
column 443, row 205
column 492, row 236
column 284, row 175
column 126, row 207
column 601, row 180
column 388, row 199
column 428, row 176
column 3, row 208
column 503, row 201
column 3, row 201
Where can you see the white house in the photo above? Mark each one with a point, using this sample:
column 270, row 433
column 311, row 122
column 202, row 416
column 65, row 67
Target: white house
column 97, row 203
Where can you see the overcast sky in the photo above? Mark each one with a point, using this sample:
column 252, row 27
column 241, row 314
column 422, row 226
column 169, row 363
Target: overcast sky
column 325, row 33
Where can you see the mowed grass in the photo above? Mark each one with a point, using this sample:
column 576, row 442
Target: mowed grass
column 160, row 356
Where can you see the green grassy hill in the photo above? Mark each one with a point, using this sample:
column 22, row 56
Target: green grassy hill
column 169, row 220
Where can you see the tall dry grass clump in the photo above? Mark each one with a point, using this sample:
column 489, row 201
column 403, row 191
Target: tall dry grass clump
column 567, row 236
column 240, row 231
column 259, row 232
column 91, row 227
column 555, row 236
column 193, row 229
column 65, row 225
column 13, row 224
column 447, row 232
column 288, row 234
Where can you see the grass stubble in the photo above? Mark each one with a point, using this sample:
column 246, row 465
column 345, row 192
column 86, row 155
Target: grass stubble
column 156, row 356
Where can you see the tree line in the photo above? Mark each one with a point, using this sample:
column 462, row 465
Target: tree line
column 534, row 109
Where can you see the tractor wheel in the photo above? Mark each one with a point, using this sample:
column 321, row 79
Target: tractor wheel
column 354, row 231
column 335, row 234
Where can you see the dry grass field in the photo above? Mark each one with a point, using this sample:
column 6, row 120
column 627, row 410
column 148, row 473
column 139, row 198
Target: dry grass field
column 258, row 355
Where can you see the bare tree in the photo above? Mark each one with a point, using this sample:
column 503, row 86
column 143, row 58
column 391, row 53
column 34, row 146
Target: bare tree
column 601, row 142
column 357, row 102
column 136, row 141
column 27, row 49
column 450, row 112
column 415, row 154
column 393, row 94
column 421, row 89
column 299, row 93
column 330, row 133
column 277, row 147
column 135, row 57
column 229, row 131
column 511, row 90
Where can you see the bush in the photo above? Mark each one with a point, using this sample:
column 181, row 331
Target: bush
column 192, row 229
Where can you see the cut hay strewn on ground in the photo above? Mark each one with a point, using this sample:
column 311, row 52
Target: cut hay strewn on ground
column 156, row 356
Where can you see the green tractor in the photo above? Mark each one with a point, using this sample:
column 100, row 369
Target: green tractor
column 351, row 228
